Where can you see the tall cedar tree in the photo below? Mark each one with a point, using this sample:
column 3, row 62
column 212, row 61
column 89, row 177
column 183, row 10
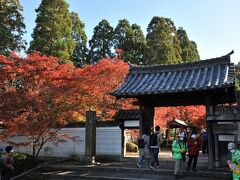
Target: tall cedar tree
column 80, row 53
column 102, row 42
column 53, row 32
column 123, row 38
column 131, row 40
column 139, row 48
column 189, row 48
column 163, row 42
column 12, row 27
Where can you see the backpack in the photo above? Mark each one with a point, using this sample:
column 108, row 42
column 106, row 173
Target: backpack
column 141, row 143
column 153, row 139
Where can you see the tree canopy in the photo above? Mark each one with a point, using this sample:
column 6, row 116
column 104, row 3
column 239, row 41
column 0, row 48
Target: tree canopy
column 189, row 48
column 130, row 39
column 12, row 27
column 163, row 43
column 80, row 53
column 53, row 32
column 101, row 42
column 38, row 96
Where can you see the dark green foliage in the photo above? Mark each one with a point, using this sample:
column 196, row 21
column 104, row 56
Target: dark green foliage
column 139, row 48
column 162, row 41
column 123, row 35
column 80, row 53
column 102, row 42
column 131, row 40
column 12, row 27
column 131, row 147
column 24, row 162
column 53, row 32
column 189, row 48
column 237, row 76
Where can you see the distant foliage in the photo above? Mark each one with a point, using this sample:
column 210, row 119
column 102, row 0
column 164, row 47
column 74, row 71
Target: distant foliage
column 53, row 32
column 101, row 43
column 189, row 48
column 192, row 115
column 80, row 53
column 12, row 27
column 131, row 40
column 162, row 40
column 131, row 147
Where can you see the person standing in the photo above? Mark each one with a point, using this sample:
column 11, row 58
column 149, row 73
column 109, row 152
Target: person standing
column 235, row 161
column 8, row 162
column 193, row 145
column 178, row 148
column 204, row 141
column 145, row 151
column 155, row 143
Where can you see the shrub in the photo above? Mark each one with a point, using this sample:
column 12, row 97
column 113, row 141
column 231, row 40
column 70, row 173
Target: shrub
column 23, row 162
column 131, row 147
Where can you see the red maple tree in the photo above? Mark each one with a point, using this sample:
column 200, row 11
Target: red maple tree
column 38, row 95
column 193, row 115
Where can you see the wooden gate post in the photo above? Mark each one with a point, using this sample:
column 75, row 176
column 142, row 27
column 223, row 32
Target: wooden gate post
column 146, row 118
column 209, row 112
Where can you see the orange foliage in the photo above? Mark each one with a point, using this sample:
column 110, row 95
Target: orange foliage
column 194, row 115
column 37, row 94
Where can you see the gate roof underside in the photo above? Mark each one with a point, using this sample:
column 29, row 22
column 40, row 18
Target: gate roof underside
column 180, row 83
column 133, row 114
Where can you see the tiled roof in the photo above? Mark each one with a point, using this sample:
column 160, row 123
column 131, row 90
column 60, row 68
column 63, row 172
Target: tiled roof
column 184, row 77
column 127, row 115
column 176, row 123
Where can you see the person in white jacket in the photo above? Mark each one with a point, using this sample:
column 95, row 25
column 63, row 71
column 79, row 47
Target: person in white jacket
column 144, row 152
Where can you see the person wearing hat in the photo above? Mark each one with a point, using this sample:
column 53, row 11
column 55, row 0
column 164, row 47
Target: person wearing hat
column 178, row 148
column 8, row 160
column 234, row 164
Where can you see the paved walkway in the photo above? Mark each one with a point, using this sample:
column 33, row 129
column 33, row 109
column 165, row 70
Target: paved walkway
column 126, row 169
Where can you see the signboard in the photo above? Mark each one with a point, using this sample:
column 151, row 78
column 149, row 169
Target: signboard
column 226, row 138
column 134, row 123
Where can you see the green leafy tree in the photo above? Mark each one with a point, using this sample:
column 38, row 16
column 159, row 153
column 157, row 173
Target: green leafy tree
column 237, row 76
column 80, row 53
column 123, row 35
column 12, row 27
column 189, row 48
column 162, row 41
column 131, row 40
column 102, row 42
column 53, row 32
column 139, row 48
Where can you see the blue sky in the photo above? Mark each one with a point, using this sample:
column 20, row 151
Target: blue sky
column 214, row 25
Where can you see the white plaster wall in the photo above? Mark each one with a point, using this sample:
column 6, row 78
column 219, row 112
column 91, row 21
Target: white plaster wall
column 108, row 142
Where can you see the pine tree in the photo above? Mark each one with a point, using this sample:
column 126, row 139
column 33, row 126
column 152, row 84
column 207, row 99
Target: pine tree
column 53, row 32
column 162, row 41
column 80, row 53
column 189, row 48
column 12, row 27
column 102, row 42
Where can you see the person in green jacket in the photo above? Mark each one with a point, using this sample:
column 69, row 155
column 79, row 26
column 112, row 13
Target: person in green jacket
column 234, row 160
column 178, row 148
